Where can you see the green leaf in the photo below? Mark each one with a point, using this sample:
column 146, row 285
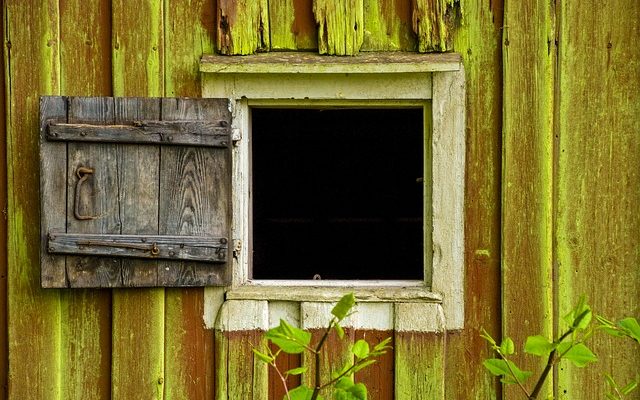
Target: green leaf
column 344, row 383
column 629, row 387
column 301, row 393
column 538, row 345
column 290, row 339
column 263, row 357
column 382, row 345
column 485, row 335
column 344, row 305
column 631, row 328
column 363, row 365
column 499, row 367
column 353, row 392
column 296, row 371
column 580, row 317
column 339, row 330
column 360, row 349
column 507, row 347
column 578, row 354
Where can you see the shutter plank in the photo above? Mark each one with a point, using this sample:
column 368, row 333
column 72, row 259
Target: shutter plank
column 194, row 193
column 53, row 170
column 137, row 171
column 98, row 195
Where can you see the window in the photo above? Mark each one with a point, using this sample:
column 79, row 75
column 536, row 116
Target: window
column 337, row 193
column 275, row 258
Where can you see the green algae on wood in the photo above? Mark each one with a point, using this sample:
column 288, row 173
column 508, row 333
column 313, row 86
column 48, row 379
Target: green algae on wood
column 434, row 21
column 33, row 314
column 292, row 24
column 243, row 27
column 388, row 26
column 340, row 26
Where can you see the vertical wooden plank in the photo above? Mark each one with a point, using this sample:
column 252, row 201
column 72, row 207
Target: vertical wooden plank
column 137, row 170
column 240, row 328
column 479, row 42
column 4, row 329
column 419, row 351
column 53, row 197
column 189, row 33
column 434, row 21
column 138, row 316
column 598, row 180
column 315, row 318
column 243, row 26
column 388, row 26
column 85, row 33
column 98, row 195
column 375, row 324
column 529, row 59
column 292, row 25
column 340, row 26
column 33, row 313
column 290, row 312
column 194, row 193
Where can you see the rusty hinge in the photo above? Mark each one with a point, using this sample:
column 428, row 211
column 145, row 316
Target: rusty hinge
column 194, row 248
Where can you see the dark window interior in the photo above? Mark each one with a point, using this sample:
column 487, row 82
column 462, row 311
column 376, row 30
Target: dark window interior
column 337, row 193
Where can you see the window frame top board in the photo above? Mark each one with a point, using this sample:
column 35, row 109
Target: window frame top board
column 434, row 82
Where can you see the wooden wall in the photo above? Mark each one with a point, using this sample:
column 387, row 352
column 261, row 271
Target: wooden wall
column 552, row 187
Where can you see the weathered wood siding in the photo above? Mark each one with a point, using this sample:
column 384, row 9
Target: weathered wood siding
column 552, row 187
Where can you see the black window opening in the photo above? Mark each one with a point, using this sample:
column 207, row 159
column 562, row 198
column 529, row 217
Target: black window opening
column 338, row 193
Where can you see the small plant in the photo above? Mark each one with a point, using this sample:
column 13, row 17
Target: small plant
column 293, row 340
column 570, row 346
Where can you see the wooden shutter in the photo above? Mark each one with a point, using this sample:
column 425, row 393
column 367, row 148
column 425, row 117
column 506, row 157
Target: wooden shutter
column 134, row 192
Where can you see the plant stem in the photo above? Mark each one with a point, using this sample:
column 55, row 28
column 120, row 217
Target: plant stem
column 547, row 368
column 283, row 379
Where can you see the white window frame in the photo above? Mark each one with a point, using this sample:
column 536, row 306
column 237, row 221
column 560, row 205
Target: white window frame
column 435, row 82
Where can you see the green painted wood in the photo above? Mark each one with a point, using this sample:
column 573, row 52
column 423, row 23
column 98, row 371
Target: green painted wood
column 340, row 26
column 292, row 24
column 434, row 21
column 85, row 32
column 598, row 180
column 189, row 33
column 479, row 42
column 527, row 162
column 4, row 348
column 388, row 26
column 138, row 315
column 243, row 26
column 34, row 335
column 419, row 365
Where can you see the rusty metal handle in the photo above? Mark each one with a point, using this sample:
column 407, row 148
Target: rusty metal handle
column 83, row 174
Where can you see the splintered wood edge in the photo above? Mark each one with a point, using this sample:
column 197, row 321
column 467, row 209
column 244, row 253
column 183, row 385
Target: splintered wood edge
column 292, row 63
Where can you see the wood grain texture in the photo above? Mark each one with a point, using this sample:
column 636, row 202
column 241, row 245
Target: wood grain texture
column 138, row 316
column 178, row 133
column 433, row 23
column 527, row 159
column 53, row 187
column 598, row 181
column 243, row 27
column 479, row 41
column 379, row 378
column 189, row 33
column 340, row 26
column 98, row 195
column 292, row 24
column 85, row 40
column 4, row 342
column 388, row 26
column 240, row 328
column 33, row 314
column 194, row 192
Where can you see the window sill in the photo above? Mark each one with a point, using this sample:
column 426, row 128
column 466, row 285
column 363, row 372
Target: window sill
column 329, row 291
